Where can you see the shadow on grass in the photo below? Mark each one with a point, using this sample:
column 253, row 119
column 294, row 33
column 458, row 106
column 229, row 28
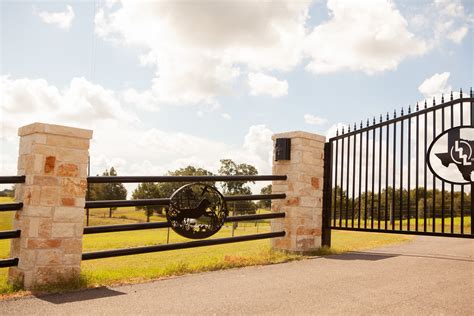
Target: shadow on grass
column 83, row 295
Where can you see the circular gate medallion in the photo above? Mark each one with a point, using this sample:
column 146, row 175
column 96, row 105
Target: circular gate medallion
column 451, row 155
column 197, row 211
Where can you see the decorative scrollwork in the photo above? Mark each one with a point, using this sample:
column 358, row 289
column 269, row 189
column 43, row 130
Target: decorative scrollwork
column 197, row 211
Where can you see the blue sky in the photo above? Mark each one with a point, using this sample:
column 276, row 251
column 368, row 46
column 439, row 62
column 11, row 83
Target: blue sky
column 166, row 84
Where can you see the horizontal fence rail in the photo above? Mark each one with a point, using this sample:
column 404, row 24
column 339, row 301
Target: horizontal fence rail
column 166, row 201
column 12, row 179
column 155, row 225
column 4, row 207
column 137, row 179
column 7, row 234
column 379, row 179
column 176, row 246
column 11, row 262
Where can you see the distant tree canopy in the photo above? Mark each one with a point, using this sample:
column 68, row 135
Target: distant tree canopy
column 166, row 189
column 404, row 200
column 265, row 204
column 107, row 191
column 230, row 168
column 8, row 192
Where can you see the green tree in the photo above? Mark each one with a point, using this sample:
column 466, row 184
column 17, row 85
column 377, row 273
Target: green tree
column 265, row 204
column 230, row 168
column 148, row 191
column 107, row 191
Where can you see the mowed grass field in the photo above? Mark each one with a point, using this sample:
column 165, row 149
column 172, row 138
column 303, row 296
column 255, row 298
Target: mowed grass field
column 137, row 268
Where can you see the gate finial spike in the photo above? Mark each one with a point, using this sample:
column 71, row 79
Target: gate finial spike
column 381, row 118
column 451, row 95
column 342, row 130
column 471, row 92
column 388, row 116
column 394, row 113
column 361, row 124
column 349, row 128
column 337, row 131
column 401, row 113
column 426, row 104
column 434, row 101
column 442, row 98
column 409, row 108
column 373, row 122
column 355, row 126
column 368, row 123
column 460, row 92
column 417, row 107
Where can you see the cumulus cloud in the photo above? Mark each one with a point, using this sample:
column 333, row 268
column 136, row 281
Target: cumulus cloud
column 120, row 139
column 436, row 84
column 226, row 116
column 314, row 120
column 198, row 49
column 62, row 19
column 369, row 36
column 261, row 84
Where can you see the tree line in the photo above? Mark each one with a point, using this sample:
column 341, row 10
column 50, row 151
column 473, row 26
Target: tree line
column 117, row 191
column 405, row 200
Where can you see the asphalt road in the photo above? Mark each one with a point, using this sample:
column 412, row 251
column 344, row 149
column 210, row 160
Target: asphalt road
column 430, row 275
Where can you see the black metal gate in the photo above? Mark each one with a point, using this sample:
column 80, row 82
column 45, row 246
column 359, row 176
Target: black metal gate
column 378, row 178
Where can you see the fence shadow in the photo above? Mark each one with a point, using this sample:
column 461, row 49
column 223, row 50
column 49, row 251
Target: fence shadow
column 367, row 256
column 83, row 295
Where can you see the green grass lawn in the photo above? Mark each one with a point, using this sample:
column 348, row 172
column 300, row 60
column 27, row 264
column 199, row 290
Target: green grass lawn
column 136, row 268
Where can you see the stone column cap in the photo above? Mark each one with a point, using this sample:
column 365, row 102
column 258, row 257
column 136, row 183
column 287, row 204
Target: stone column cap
column 54, row 130
column 300, row 134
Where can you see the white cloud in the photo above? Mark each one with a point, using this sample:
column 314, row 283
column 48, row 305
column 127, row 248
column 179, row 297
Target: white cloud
column 62, row 19
column 314, row 120
column 436, row 84
column 261, row 84
column 120, row 139
column 370, row 36
column 458, row 35
column 226, row 116
column 199, row 49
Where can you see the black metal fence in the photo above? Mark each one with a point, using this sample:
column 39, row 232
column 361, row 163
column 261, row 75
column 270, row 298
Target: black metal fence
column 5, row 207
column 378, row 178
column 165, row 201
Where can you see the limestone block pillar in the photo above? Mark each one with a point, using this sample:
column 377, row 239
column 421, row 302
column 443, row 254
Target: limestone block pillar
column 54, row 160
column 304, row 193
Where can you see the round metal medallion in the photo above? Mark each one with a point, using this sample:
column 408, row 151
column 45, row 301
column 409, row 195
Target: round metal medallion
column 197, row 211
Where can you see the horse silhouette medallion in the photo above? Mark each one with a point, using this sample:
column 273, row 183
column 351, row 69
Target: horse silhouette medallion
column 197, row 211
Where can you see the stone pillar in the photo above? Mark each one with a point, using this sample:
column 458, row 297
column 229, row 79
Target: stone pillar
column 54, row 160
column 304, row 193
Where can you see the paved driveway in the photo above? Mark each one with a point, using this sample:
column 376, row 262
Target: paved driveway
column 430, row 275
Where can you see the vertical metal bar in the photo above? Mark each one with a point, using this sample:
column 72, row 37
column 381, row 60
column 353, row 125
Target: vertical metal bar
column 417, row 168
column 360, row 178
column 434, row 179
column 342, row 180
column 452, row 185
column 353, row 178
column 366, row 176
column 335, row 181
column 373, row 180
column 442, row 181
column 387, row 150
column 400, row 219
column 472, row 184
column 348, row 171
column 462, row 209
column 409, row 171
column 327, row 198
column 425, row 167
column 380, row 175
column 88, row 188
column 394, row 173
